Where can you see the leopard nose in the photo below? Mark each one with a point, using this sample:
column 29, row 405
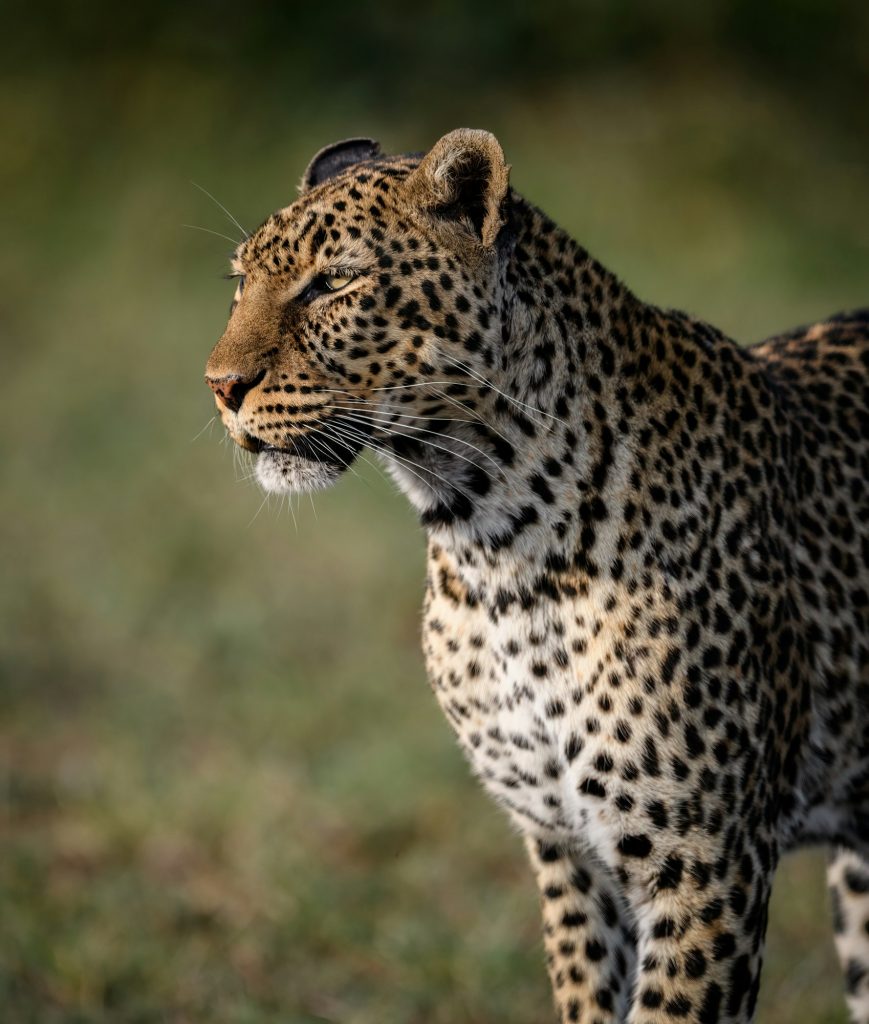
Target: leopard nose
column 232, row 388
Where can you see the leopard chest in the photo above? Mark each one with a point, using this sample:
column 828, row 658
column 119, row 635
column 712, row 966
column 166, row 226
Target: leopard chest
column 519, row 686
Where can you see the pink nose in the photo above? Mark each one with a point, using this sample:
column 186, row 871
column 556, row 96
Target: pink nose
column 232, row 388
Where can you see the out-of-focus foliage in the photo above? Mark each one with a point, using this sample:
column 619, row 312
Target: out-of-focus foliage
column 225, row 792
column 440, row 48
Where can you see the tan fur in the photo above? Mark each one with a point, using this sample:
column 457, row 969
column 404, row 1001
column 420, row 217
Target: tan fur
column 647, row 595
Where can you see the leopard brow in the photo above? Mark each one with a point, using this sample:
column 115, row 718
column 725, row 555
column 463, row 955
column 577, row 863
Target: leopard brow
column 351, row 256
column 354, row 260
column 343, row 266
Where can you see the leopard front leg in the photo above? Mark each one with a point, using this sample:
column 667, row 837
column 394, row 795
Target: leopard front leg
column 590, row 949
column 848, row 877
column 701, row 922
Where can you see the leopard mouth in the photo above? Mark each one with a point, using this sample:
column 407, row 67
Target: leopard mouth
column 306, row 463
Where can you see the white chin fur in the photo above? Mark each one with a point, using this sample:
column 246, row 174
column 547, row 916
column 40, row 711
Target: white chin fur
column 282, row 473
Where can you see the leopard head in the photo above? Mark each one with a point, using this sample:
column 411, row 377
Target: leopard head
column 365, row 314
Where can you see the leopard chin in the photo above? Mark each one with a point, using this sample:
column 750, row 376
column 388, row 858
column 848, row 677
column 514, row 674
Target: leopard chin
column 280, row 472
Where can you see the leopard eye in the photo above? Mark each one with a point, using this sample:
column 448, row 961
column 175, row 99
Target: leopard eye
column 335, row 282
column 238, row 278
column 239, row 288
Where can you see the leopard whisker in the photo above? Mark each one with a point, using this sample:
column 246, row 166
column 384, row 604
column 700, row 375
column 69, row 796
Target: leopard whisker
column 362, row 403
column 208, row 231
column 263, row 504
column 322, row 447
column 412, row 467
column 210, row 423
column 475, row 417
column 478, row 418
column 515, row 401
column 385, row 427
column 205, row 191
column 289, row 498
column 394, row 387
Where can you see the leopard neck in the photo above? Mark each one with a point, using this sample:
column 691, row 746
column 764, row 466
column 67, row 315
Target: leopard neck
column 588, row 376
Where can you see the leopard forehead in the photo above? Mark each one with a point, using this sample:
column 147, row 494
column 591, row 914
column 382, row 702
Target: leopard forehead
column 335, row 224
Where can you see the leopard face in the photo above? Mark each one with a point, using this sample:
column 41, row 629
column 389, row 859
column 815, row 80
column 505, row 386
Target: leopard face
column 358, row 308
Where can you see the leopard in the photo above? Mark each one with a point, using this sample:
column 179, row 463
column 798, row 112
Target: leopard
column 647, row 584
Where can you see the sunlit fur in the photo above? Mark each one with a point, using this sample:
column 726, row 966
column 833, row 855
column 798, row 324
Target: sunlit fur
column 647, row 593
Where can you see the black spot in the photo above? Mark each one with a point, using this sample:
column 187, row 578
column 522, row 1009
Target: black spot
column 857, row 882
column 317, row 240
column 669, row 667
column 678, row 1007
column 635, row 846
column 573, row 747
column 855, row 972
column 710, row 1011
column 670, row 874
column 740, row 983
column 541, row 489
column 581, row 880
column 592, row 787
column 695, row 963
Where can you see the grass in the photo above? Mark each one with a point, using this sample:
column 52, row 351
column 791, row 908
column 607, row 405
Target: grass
column 225, row 792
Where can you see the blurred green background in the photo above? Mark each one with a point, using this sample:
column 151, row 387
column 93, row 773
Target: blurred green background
column 226, row 794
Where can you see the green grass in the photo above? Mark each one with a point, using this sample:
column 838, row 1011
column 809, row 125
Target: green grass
column 226, row 794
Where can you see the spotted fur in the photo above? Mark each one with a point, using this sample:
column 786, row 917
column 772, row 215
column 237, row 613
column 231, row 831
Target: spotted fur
column 648, row 561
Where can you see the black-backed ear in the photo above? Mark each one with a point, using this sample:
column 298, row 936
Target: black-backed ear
column 334, row 159
column 464, row 179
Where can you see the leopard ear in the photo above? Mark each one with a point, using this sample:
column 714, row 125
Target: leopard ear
column 464, row 179
column 332, row 160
